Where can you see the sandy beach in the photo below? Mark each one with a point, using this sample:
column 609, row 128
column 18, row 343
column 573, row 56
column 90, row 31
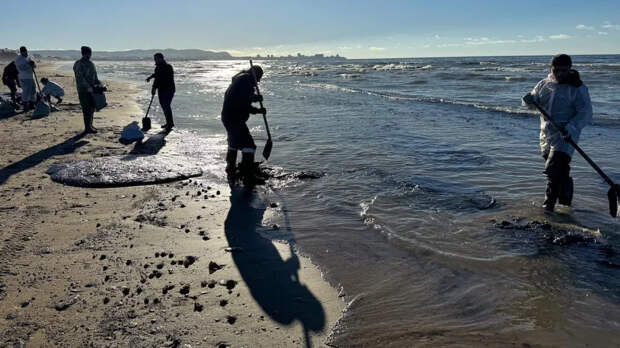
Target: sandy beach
column 169, row 265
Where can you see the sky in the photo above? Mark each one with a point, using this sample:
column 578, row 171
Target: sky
column 354, row 29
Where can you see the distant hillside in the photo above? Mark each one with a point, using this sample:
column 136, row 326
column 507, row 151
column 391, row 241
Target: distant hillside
column 171, row 54
column 7, row 54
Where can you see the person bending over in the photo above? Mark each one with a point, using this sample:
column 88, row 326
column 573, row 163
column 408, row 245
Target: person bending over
column 236, row 111
column 51, row 89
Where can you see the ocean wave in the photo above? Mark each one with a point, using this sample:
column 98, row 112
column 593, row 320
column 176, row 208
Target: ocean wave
column 426, row 99
column 515, row 78
column 348, row 76
column 399, row 66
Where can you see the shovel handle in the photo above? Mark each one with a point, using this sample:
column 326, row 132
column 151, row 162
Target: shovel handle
column 572, row 142
column 260, row 102
column 149, row 108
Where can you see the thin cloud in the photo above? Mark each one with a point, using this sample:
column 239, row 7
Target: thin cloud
column 560, row 37
column 603, row 33
column 538, row 38
column 584, row 27
column 609, row 25
column 449, row 45
column 437, row 37
column 373, row 48
column 486, row 41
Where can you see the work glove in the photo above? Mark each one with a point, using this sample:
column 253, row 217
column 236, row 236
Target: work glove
column 148, row 79
column 528, row 99
column 32, row 64
column 257, row 98
column 568, row 132
column 258, row 111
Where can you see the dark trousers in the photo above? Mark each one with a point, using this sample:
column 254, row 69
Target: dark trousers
column 239, row 136
column 559, row 183
column 165, row 99
column 13, row 87
column 88, row 108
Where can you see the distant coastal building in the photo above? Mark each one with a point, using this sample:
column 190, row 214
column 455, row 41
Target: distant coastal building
column 170, row 54
column 298, row 56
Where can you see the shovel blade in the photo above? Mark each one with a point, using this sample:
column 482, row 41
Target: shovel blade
column 613, row 197
column 267, row 149
column 146, row 124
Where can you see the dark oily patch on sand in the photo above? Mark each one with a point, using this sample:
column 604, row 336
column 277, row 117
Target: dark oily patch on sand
column 554, row 233
column 129, row 170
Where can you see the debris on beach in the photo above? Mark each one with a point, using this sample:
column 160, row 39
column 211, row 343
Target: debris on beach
column 128, row 170
column 66, row 303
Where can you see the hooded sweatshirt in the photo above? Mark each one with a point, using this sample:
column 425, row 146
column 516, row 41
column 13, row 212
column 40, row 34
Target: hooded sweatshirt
column 568, row 105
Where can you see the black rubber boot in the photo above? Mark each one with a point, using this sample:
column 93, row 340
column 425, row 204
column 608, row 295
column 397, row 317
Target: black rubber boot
column 550, row 197
column 259, row 172
column 231, row 165
column 566, row 193
column 248, row 172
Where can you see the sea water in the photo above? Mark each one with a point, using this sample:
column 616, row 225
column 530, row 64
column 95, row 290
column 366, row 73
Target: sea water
column 423, row 164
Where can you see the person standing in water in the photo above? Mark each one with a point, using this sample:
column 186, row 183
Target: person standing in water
column 164, row 86
column 567, row 101
column 236, row 111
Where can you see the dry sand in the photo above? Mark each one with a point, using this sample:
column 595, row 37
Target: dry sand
column 141, row 266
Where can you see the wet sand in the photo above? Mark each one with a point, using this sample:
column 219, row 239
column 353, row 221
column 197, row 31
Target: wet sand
column 178, row 264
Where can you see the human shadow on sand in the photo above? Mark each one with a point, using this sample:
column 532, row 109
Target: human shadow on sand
column 66, row 147
column 272, row 281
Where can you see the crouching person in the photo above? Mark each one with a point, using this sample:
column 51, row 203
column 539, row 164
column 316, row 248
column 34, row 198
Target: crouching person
column 51, row 89
column 235, row 113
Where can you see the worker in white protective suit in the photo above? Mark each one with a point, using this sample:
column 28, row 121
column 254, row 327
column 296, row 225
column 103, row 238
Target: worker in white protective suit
column 51, row 89
column 567, row 101
column 25, row 66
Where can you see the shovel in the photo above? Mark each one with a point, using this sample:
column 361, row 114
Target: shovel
column 146, row 121
column 613, row 195
column 269, row 143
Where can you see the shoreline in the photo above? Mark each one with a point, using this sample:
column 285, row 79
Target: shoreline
column 93, row 266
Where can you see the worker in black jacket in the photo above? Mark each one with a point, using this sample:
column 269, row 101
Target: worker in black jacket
column 235, row 113
column 11, row 80
column 164, row 85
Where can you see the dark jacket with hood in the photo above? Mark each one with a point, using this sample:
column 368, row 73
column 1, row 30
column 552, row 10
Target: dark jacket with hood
column 238, row 99
column 10, row 73
column 164, row 78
